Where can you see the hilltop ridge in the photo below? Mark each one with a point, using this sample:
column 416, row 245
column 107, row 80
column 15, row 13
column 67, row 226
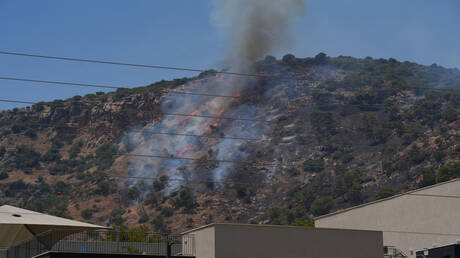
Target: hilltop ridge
column 344, row 132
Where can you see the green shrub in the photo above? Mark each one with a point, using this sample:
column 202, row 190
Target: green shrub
column 277, row 216
column 167, row 211
column 27, row 158
column 448, row 172
column 159, row 224
column 428, row 178
column 30, row 133
column 87, row 213
column 75, row 149
column 52, row 155
column 185, row 199
column 134, row 193
column 304, row 223
column 322, row 206
column 385, row 192
column 105, row 155
column 116, row 217
column 17, row 128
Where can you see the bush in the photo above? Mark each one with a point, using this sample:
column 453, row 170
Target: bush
column 134, row 193
column 304, row 223
column 160, row 183
column 385, row 192
column 428, row 178
column 277, row 216
column 17, row 128
column 75, row 149
column 167, row 211
column 448, row 172
column 105, row 155
column 322, row 206
column 87, row 214
column 31, row 133
column 52, row 155
column 116, row 217
column 185, row 199
column 159, row 224
column 27, row 158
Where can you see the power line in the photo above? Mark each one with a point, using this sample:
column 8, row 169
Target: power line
column 195, row 181
column 193, row 159
column 166, row 113
column 177, row 68
column 140, row 65
column 17, row 101
column 110, row 87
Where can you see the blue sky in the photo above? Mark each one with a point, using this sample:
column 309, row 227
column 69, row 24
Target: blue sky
column 179, row 33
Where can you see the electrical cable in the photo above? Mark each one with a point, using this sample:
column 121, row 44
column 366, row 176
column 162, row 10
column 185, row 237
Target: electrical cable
column 174, row 68
column 111, row 87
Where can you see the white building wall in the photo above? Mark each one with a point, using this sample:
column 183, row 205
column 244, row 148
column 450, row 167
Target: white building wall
column 410, row 222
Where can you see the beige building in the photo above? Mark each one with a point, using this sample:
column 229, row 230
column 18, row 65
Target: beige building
column 412, row 221
column 266, row 241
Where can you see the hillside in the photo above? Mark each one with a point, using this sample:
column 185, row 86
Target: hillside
column 346, row 131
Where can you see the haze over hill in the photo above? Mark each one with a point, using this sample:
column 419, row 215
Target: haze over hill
column 312, row 136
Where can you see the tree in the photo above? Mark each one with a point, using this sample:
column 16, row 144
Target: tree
column 322, row 206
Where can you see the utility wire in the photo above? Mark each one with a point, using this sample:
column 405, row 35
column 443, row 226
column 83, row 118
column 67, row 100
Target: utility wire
column 166, row 113
column 141, row 65
column 148, row 131
column 111, row 87
column 195, row 181
column 175, row 68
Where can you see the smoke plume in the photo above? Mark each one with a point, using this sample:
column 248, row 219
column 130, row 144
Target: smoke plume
column 255, row 28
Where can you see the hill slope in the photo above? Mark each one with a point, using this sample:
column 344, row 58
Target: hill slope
column 345, row 132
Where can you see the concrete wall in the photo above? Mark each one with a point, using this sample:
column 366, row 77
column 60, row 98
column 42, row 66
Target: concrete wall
column 436, row 219
column 205, row 242
column 259, row 241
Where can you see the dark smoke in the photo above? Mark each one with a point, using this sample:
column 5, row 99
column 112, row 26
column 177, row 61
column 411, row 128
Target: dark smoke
column 255, row 28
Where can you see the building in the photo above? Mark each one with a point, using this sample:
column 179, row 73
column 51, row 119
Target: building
column 410, row 222
column 450, row 251
column 267, row 241
column 18, row 225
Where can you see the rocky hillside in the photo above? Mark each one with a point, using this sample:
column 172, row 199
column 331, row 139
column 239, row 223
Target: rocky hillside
column 346, row 131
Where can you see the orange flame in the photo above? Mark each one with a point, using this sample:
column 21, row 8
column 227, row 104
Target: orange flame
column 192, row 114
column 184, row 150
